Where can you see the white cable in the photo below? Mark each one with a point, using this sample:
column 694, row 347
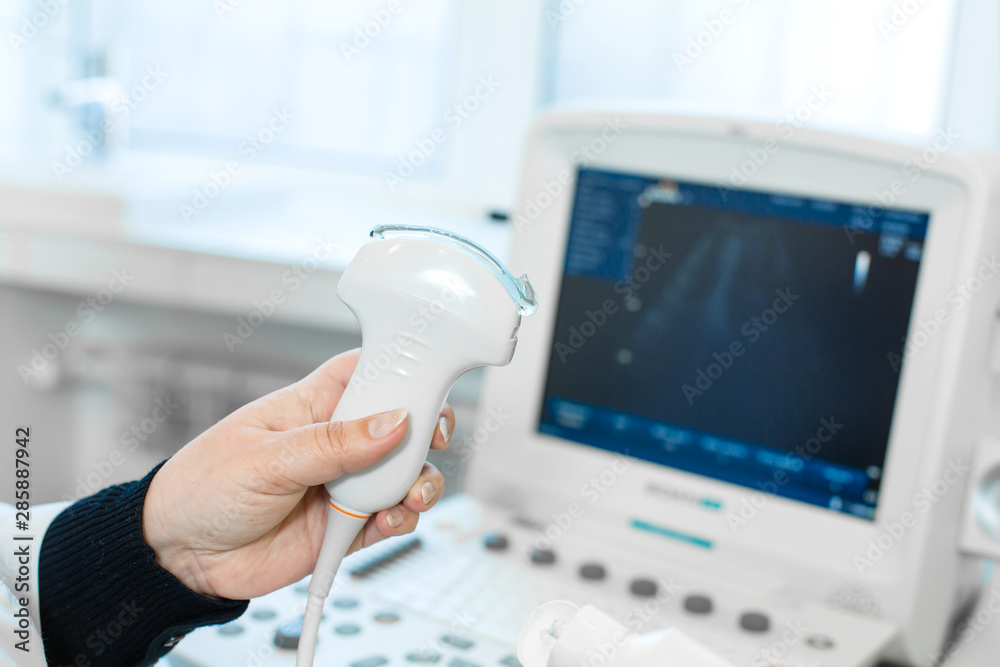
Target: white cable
column 341, row 529
column 310, row 631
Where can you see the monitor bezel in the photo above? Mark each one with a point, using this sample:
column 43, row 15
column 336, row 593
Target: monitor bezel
column 809, row 164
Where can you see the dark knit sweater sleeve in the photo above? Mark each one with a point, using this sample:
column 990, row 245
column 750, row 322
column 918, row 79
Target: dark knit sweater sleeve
column 103, row 599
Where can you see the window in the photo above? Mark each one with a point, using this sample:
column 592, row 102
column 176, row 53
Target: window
column 367, row 81
column 361, row 79
column 883, row 65
column 184, row 85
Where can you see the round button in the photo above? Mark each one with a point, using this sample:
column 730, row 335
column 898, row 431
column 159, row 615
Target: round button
column 231, row 629
column 263, row 614
column 347, row 629
column 345, row 603
column 427, row 657
column 593, row 571
column 543, row 557
column 645, row 588
column 287, row 635
column 753, row 621
column 371, row 661
column 698, row 604
column 386, row 617
column 820, row 642
column 495, row 542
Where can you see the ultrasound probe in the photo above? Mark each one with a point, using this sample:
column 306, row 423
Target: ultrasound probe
column 431, row 305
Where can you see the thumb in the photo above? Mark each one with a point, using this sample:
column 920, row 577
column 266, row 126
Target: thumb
column 319, row 453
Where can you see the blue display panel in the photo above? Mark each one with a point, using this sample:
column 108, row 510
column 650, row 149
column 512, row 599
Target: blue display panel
column 751, row 337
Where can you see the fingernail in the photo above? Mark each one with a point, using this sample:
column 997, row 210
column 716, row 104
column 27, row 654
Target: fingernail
column 386, row 423
column 394, row 518
column 428, row 491
column 445, row 427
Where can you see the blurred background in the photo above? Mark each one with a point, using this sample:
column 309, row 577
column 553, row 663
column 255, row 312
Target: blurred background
column 181, row 182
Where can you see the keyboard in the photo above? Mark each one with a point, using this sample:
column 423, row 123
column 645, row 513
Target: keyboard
column 457, row 592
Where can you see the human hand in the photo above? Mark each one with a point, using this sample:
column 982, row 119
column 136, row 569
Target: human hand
column 240, row 511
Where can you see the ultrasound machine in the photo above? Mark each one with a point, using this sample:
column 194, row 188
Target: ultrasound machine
column 758, row 403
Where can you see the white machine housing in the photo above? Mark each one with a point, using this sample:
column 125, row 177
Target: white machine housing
column 942, row 408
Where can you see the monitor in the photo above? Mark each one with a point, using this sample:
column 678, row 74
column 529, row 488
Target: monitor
column 749, row 336
column 787, row 335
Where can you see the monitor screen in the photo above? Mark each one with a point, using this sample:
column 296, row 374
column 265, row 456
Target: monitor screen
column 751, row 337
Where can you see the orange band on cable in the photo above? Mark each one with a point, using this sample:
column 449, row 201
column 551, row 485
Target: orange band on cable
column 350, row 514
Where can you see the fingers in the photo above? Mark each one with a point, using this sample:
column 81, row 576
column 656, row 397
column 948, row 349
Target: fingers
column 396, row 521
column 445, row 427
column 402, row 518
column 318, row 393
column 311, row 400
column 425, row 491
column 319, row 453
column 322, row 388
column 387, row 523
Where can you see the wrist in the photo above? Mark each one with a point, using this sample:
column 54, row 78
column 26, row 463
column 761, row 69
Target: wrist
column 170, row 555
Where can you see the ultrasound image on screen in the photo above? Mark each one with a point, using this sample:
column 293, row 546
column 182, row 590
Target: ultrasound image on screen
column 745, row 336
